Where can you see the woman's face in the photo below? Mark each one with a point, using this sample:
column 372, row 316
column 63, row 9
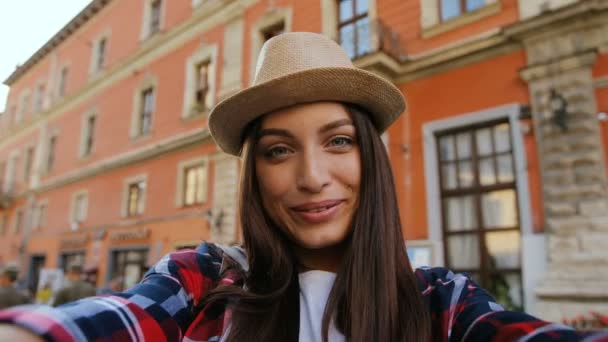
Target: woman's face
column 308, row 168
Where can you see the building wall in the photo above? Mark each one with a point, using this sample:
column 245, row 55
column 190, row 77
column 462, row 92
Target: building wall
column 488, row 84
column 470, row 64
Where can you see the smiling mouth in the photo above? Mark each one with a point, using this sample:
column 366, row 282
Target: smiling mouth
column 318, row 212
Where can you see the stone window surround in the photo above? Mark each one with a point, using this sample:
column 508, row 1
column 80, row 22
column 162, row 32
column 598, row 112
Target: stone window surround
column 147, row 16
column 272, row 17
column 329, row 17
column 93, row 112
column 15, row 229
column 206, row 52
column 10, row 175
column 147, row 82
column 36, row 98
column 94, row 69
column 22, row 108
column 39, row 220
column 57, row 88
column 125, row 193
column 32, row 162
column 431, row 20
column 181, row 179
column 533, row 245
column 46, row 169
column 73, row 214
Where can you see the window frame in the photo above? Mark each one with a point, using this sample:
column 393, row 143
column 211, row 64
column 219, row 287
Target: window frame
column 182, row 181
column 79, row 214
column 127, row 183
column 148, row 97
column 353, row 21
column 270, row 19
column 88, row 134
column 62, row 83
column 462, row 9
column 148, row 82
column 39, row 215
column 50, row 157
column 28, row 162
column 19, row 219
column 485, row 270
column 146, row 29
column 206, row 53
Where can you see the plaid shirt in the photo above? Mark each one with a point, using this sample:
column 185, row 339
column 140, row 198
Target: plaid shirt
column 161, row 307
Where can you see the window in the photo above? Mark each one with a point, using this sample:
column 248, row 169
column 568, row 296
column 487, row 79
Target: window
column 50, row 158
column 135, row 198
column 29, row 160
column 11, row 171
column 147, row 108
column 63, row 81
column 100, row 54
column 79, row 207
column 3, row 223
column 479, row 205
column 455, row 8
column 39, row 102
column 195, row 191
column 18, row 221
column 192, row 182
column 273, row 31
column 203, row 95
column 39, row 218
column 144, row 104
column 24, row 108
column 129, row 265
column 88, row 137
column 69, row 259
column 155, row 13
column 199, row 94
column 354, row 27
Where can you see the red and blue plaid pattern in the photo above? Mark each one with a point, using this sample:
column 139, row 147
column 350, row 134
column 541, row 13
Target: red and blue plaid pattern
column 162, row 307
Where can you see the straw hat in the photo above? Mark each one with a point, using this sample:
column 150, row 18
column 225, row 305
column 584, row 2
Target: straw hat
column 302, row 67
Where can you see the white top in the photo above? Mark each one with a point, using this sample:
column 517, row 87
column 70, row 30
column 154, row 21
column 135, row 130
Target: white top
column 314, row 291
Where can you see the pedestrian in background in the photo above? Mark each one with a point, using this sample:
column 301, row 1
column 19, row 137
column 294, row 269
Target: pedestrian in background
column 324, row 257
column 76, row 288
column 9, row 295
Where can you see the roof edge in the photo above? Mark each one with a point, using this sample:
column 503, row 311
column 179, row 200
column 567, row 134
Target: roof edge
column 80, row 19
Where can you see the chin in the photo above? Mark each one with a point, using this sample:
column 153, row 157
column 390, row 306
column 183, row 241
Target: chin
column 319, row 240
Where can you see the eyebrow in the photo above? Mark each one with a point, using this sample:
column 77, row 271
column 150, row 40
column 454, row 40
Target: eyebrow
column 285, row 133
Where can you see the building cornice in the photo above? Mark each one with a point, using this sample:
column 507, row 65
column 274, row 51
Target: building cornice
column 153, row 150
column 149, row 50
column 79, row 20
column 485, row 45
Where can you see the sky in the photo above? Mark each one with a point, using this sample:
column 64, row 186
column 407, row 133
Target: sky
column 25, row 25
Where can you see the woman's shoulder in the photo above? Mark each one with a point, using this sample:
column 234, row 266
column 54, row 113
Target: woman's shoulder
column 208, row 259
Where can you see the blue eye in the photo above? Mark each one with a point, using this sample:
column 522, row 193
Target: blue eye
column 276, row 152
column 341, row 142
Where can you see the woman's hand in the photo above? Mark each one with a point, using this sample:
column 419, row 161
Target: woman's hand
column 10, row 332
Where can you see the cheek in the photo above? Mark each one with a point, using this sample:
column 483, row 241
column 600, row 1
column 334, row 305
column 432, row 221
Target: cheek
column 349, row 171
column 274, row 182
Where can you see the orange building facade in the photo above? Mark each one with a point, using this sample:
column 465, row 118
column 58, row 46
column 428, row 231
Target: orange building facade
column 499, row 162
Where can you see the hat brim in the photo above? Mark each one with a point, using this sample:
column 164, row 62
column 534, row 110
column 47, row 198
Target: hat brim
column 379, row 97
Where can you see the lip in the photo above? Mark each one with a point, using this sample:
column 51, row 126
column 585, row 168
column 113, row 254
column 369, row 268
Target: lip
column 324, row 215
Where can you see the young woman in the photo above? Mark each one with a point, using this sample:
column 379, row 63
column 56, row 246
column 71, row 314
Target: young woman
column 323, row 258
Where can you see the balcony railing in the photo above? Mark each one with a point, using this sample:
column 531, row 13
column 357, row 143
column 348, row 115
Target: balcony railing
column 366, row 37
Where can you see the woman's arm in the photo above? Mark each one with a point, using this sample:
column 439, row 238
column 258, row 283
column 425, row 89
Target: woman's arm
column 462, row 311
column 15, row 333
column 160, row 307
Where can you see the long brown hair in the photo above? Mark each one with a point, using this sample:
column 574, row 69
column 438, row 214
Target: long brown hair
column 375, row 295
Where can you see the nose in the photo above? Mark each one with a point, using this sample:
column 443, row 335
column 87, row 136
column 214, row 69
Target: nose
column 312, row 173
